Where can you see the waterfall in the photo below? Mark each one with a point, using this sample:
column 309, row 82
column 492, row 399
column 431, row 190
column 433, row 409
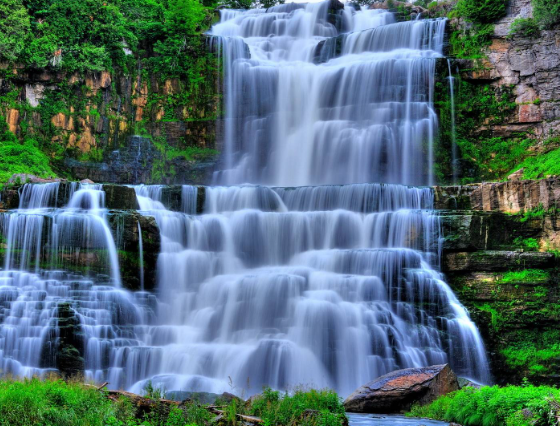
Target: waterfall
column 55, row 256
column 311, row 261
column 365, row 115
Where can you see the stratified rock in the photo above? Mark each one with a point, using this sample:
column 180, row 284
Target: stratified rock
column 513, row 196
column 398, row 391
column 497, row 260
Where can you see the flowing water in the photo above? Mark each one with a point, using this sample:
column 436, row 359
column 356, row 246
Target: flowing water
column 308, row 275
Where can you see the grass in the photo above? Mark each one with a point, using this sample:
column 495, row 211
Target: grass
column 53, row 402
column 494, row 406
column 22, row 157
column 276, row 408
column 541, row 166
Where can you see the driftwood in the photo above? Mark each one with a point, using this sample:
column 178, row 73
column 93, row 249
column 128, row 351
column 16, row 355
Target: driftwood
column 145, row 405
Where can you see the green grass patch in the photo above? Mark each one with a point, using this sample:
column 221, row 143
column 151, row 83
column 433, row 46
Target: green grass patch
column 541, row 166
column 277, row 408
column 527, row 276
column 494, row 406
column 22, row 157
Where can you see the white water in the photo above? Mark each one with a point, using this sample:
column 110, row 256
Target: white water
column 365, row 116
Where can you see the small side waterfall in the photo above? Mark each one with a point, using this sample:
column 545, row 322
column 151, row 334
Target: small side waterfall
column 454, row 154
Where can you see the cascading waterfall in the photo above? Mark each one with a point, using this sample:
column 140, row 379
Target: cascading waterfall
column 365, row 115
column 42, row 245
column 308, row 275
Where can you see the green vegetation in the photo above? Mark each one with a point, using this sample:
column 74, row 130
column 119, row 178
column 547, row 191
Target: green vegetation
column 470, row 42
column 526, row 276
column 54, row 402
column 546, row 12
column 534, row 354
column 21, row 156
column 525, row 27
column 284, row 409
column 481, row 11
column 541, row 166
column 93, row 35
column 484, row 156
column 528, row 244
column 495, row 406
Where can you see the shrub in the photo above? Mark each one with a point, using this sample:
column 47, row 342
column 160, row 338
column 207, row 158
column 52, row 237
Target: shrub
column 525, row 27
column 494, row 406
column 482, row 11
column 546, row 12
column 14, row 29
column 530, row 276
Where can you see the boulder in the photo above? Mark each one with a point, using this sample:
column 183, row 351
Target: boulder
column 397, row 391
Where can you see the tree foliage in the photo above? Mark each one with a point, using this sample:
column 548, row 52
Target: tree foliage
column 14, row 29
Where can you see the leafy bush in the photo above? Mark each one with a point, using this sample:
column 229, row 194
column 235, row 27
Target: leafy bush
column 546, row 12
column 530, row 244
column 14, row 29
column 494, row 406
column 482, row 11
column 533, row 352
column 526, row 27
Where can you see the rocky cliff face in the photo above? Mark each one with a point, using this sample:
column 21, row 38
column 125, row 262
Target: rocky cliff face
column 500, row 256
column 532, row 65
column 91, row 119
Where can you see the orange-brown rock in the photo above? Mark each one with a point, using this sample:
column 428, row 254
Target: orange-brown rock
column 12, row 119
column 397, row 391
column 513, row 196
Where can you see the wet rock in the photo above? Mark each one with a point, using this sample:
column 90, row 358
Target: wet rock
column 120, row 197
column 9, row 198
column 126, row 227
column 70, row 352
column 397, row 391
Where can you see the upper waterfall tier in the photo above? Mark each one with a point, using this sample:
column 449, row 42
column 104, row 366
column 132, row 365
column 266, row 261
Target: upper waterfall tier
column 365, row 115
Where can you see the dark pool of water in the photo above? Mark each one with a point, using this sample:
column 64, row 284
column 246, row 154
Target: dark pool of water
column 390, row 420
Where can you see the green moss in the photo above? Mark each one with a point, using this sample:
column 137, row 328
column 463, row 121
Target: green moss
column 529, row 244
column 526, row 276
